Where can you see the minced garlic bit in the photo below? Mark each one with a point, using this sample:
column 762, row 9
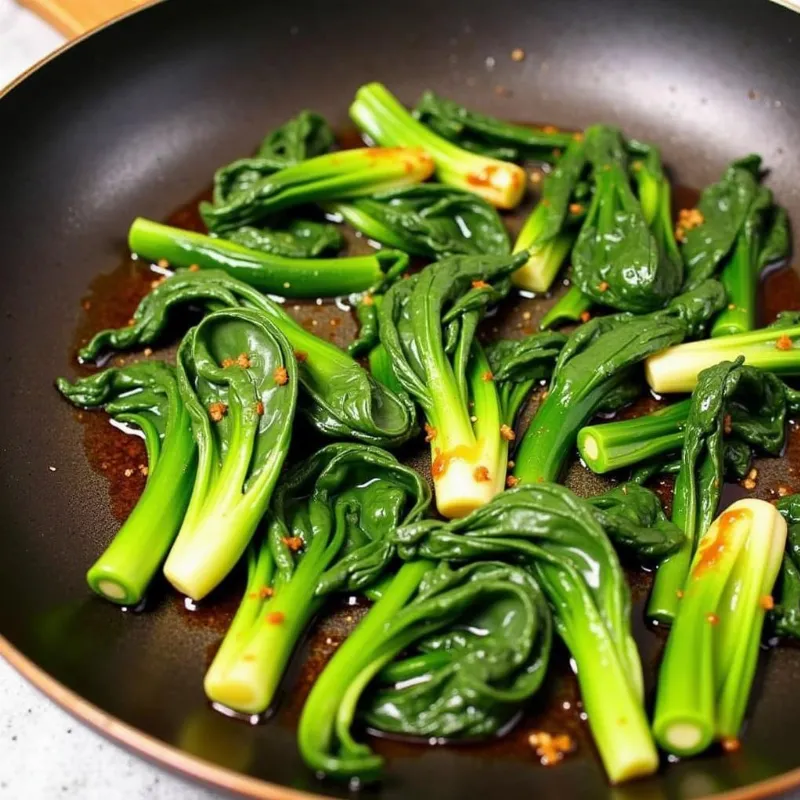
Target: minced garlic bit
column 281, row 376
column 536, row 177
column 783, row 490
column 368, row 300
column 766, row 602
column 750, row 481
column 730, row 744
column 260, row 408
column 551, row 749
column 507, row 433
column 163, row 263
column 217, row 411
column 479, row 285
column 512, row 464
column 148, row 351
column 275, row 617
column 731, row 306
column 784, row 343
column 300, row 356
column 128, row 472
column 481, row 474
column 473, row 418
column 517, row 54
column 430, row 432
column 144, row 469
column 585, row 316
column 511, row 481
column 688, row 218
column 243, row 360
column 294, row 543
column 526, row 315
column 487, row 376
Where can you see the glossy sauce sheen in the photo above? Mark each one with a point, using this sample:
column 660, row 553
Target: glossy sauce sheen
column 110, row 302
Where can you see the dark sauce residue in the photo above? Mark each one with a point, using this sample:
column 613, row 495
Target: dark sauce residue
column 110, row 302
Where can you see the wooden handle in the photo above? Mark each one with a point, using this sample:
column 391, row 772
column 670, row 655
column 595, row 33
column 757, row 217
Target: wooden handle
column 75, row 17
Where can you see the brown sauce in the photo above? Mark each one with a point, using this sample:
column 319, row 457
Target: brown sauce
column 112, row 298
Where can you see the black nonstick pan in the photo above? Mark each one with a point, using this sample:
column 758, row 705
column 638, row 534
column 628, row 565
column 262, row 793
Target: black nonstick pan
column 133, row 120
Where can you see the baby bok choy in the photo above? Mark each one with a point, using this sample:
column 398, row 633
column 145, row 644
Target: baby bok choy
column 712, row 651
column 560, row 539
column 339, row 397
column 237, row 376
column 725, row 392
column 323, row 178
column 786, row 614
column 473, row 645
column 327, row 529
column 379, row 115
column 289, row 277
column 597, row 368
column 427, row 325
column 144, row 395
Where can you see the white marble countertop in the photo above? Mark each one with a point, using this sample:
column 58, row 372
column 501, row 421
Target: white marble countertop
column 46, row 753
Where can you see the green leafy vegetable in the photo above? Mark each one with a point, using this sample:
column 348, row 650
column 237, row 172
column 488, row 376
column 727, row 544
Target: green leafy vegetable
column 340, row 398
column 773, row 349
column 146, row 396
column 559, row 538
column 427, row 325
column 547, row 235
column 731, row 394
column 786, row 614
column 723, row 208
column 328, row 529
column 238, row 380
column 428, row 220
column 617, row 259
column 290, row 277
column 713, row 647
column 476, row 642
column 331, row 176
column 480, row 133
column 378, row 113
column 596, row 367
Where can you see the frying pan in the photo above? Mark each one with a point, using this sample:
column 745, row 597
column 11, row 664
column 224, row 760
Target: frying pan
column 133, row 120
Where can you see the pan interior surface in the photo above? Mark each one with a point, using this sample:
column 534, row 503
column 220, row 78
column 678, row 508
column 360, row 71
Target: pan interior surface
column 134, row 120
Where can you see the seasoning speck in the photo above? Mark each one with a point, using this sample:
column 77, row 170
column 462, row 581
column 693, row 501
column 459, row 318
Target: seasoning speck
column 430, row 432
column 507, row 433
column 550, row 749
column 217, row 411
column 275, row 617
column 481, row 474
column 511, row 481
column 281, row 376
column 487, row 376
column 518, row 54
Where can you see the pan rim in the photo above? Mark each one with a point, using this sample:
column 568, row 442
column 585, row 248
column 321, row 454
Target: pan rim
column 172, row 758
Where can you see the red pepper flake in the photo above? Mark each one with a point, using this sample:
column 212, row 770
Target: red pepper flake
column 217, row 411
column 578, row 136
column 518, row 54
column 294, row 543
column 194, row 268
column 163, row 263
column 275, row 617
column 575, row 208
column 549, row 129
column 368, row 300
column 585, row 316
column 480, row 285
column 482, row 178
column 784, row 343
column 507, row 433
column 281, row 376
column 260, row 408
column 263, row 593
column 487, row 376
column 481, row 474
column 300, row 356
column 430, row 432
column 157, row 282
column 603, row 286
column 227, row 362
column 511, row 481
column 730, row 744
column 243, row 360
column 550, row 749
column 712, row 619
column 766, row 602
